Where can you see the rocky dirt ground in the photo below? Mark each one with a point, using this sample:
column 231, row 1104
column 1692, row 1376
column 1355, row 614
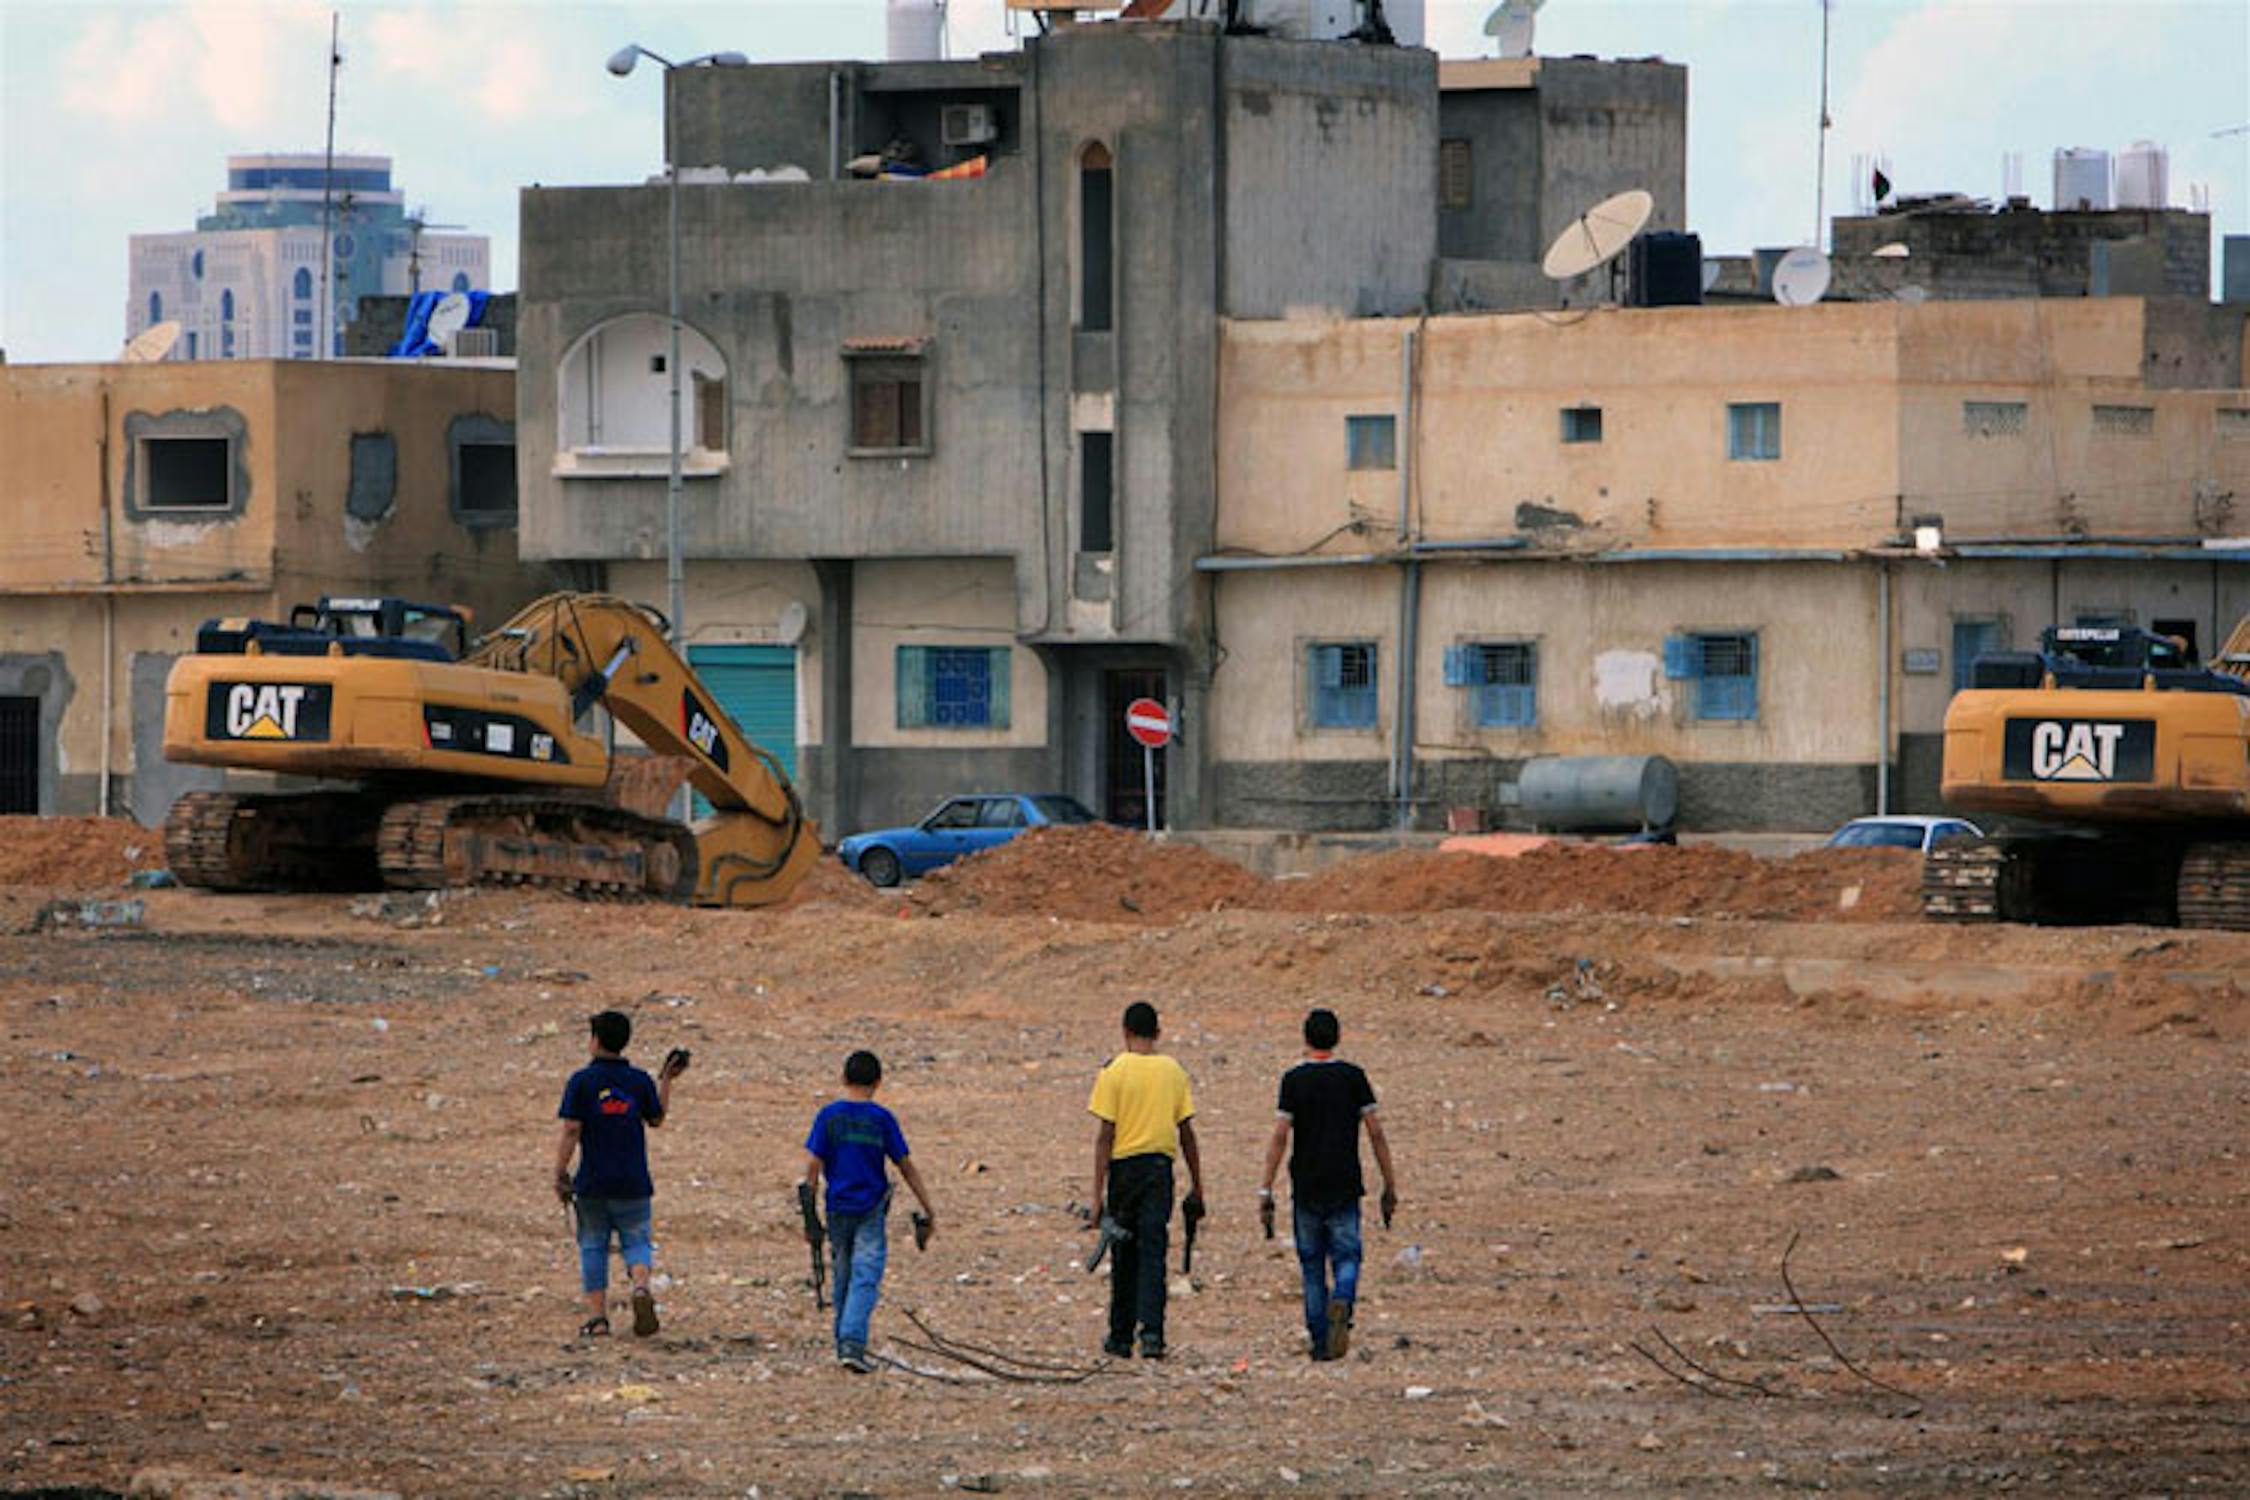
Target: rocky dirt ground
column 277, row 1200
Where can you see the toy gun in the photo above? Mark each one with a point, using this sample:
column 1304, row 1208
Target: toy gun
column 1191, row 1214
column 813, row 1237
column 1112, row 1234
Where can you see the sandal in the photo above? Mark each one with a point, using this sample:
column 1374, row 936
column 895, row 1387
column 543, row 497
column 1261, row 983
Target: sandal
column 594, row 1328
column 644, row 1311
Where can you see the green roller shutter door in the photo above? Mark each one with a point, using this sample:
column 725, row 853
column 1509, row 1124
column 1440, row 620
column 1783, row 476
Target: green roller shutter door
column 757, row 688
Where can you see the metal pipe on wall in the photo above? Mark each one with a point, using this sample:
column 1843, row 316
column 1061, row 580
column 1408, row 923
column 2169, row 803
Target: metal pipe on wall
column 1409, row 594
column 1883, row 695
column 109, row 609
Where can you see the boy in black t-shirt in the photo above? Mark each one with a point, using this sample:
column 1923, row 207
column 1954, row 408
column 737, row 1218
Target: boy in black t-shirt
column 1326, row 1101
column 607, row 1109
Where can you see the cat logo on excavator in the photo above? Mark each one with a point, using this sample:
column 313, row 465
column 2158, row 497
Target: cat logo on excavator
column 2080, row 750
column 268, row 711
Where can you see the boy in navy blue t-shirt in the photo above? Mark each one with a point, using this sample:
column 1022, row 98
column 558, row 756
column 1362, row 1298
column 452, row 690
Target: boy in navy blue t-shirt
column 607, row 1108
column 851, row 1140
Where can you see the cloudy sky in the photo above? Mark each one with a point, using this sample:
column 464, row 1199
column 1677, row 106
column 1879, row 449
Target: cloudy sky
column 116, row 118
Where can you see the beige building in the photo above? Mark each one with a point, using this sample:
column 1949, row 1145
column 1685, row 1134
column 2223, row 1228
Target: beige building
column 144, row 499
column 1761, row 541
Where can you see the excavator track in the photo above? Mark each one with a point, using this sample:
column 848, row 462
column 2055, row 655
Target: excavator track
column 2215, row 887
column 588, row 848
column 223, row 841
column 1961, row 882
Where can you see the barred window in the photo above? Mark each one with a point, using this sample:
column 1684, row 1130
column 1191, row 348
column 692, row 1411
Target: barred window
column 1993, row 418
column 1343, row 684
column 1456, row 185
column 2125, row 421
column 1724, row 669
column 953, row 687
column 1503, row 681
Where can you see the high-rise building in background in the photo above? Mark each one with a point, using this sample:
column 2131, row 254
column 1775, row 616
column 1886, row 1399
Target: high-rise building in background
column 245, row 283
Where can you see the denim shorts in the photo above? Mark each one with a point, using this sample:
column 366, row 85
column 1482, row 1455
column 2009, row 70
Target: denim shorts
column 599, row 1218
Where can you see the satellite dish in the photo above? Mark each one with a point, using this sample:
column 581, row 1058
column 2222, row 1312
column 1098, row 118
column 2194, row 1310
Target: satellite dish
column 791, row 626
column 1895, row 250
column 1598, row 235
column 448, row 318
column 1912, row 294
column 1800, row 278
column 151, row 344
column 1510, row 26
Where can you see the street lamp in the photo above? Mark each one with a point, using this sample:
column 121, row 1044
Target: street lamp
column 621, row 62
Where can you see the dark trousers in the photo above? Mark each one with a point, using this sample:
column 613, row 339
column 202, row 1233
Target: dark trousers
column 1140, row 1200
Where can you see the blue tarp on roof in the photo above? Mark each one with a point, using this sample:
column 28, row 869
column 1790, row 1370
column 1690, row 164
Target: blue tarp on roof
column 417, row 341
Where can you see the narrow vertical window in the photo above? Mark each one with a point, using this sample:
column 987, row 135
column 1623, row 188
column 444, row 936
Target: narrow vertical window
column 301, row 284
column 1096, row 223
column 155, row 308
column 1097, row 476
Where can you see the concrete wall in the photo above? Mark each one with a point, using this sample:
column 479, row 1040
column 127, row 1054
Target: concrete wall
column 1970, row 255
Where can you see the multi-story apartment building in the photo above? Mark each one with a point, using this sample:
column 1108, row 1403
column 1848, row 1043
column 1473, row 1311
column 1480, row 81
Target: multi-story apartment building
column 246, row 282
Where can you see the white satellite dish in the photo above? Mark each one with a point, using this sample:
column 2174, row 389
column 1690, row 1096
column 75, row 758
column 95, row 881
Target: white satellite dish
column 790, row 628
column 151, row 344
column 1912, row 294
column 448, row 318
column 1510, row 26
column 1800, row 278
column 1895, row 250
column 1598, row 235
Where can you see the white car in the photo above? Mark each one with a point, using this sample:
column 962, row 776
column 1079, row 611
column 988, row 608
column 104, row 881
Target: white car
column 1902, row 832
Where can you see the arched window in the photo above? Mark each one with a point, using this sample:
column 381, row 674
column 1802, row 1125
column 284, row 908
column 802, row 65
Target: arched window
column 614, row 382
column 226, row 305
column 1096, row 226
column 195, row 265
column 460, row 281
column 155, row 308
column 303, row 284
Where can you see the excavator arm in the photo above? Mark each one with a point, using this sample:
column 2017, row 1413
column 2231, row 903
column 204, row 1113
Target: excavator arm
column 757, row 843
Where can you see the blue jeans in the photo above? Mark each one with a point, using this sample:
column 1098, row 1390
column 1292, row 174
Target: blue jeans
column 858, row 1247
column 1327, row 1237
column 598, row 1219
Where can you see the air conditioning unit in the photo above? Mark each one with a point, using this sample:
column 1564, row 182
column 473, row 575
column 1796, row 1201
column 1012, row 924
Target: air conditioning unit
column 475, row 343
column 968, row 125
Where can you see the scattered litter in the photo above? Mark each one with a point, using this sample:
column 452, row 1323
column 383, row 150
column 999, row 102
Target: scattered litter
column 1792, row 1309
column 152, row 880
column 1474, row 1415
column 127, row 913
column 1816, row 1174
column 1420, row 1392
column 441, row 1292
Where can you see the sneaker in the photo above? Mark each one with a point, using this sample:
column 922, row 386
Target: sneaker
column 1317, row 1350
column 1151, row 1348
column 1118, row 1348
column 854, row 1358
column 1339, row 1329
column 644, row 1312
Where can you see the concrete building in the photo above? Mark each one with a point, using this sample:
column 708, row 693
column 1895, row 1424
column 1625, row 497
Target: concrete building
column 245, row 283
column 144, row 499
column 969, row 428
column 1764, row 542
column 1962, row 251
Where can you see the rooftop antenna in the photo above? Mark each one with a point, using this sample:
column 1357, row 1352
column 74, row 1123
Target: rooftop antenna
column 1510, row 26
column 415, row 225
column 151, row 344
column 1820, row 169
column 1598, row 236
column 327, row 321
column 1800, row 278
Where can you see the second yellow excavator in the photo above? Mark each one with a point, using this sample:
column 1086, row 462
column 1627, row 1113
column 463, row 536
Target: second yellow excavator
column 460, row 765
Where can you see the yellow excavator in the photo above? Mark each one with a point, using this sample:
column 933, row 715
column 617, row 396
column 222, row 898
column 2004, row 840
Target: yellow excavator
column 461, row 764
column 2128, row 766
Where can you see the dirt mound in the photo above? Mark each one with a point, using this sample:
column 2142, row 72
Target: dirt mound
column 829, row 883
column 1090, row 873
column 1696, row 880
column 75, row 853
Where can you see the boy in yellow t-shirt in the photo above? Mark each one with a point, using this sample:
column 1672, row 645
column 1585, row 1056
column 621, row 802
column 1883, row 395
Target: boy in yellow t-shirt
column 1147, row 1110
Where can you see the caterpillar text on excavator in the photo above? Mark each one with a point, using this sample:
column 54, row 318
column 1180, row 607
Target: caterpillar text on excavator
column 2129, row 766
column 460, row 764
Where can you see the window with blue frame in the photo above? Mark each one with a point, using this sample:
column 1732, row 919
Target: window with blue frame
column 1502, row 678
column 1754, row 430
column 953, row 687
column 1371, row 442
column 301, row 284
column 1723, row 668
column 1342, row 677
column 1972, row 639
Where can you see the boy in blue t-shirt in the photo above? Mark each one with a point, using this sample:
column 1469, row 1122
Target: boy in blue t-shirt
column 851, row 1140
column 608, row 1108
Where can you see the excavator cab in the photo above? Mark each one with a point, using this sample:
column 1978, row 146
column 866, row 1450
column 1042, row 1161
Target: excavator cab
column 384, row 627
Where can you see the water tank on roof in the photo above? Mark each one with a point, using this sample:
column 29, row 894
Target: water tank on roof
column 2081, row 179
column 2143, row 176
column 914, row 30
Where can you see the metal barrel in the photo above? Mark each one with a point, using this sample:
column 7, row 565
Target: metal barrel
column 1600, row 793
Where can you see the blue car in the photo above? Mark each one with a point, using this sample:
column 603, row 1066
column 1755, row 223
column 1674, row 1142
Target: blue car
column 961, row 825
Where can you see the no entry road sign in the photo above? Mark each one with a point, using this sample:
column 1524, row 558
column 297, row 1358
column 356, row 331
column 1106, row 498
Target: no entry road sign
column 1147, row 721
